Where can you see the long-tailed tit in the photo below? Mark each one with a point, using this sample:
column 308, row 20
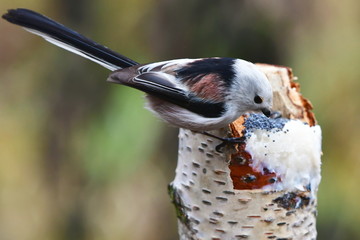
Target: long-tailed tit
column 197, row 94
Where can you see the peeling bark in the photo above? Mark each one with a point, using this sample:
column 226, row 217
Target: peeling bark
column 223, row 196
column 287, row 97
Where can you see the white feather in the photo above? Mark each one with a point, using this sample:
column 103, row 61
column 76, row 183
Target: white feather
column 72, row 49
column 176, row 64
column 180, row 117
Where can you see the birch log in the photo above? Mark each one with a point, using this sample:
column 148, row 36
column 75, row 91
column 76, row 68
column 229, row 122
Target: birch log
column 263, row 189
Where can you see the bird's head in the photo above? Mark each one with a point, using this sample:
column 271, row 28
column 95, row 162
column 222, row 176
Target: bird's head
column 251, row 89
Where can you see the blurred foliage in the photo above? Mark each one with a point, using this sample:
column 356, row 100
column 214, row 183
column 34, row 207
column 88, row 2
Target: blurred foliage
column 82, row 159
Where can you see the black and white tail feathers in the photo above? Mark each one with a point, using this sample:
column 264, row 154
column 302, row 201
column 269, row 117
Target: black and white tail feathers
column 68, row 39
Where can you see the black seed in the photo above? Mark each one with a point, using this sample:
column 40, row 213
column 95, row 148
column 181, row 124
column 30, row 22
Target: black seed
column 248, row 178
column 272, row 180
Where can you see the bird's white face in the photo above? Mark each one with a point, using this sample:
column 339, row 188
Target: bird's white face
column 253, row 88
column 262, row 94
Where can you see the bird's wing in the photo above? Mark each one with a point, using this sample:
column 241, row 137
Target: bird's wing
column 206, row 78
column 161, row 80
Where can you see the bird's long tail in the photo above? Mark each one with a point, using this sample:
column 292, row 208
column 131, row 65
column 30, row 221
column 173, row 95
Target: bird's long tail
column 68, row 39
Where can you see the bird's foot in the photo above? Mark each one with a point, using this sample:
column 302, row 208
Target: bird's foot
column 225, row 141
column 275, row 115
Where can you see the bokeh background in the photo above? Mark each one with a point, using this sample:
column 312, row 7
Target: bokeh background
column 81, row 159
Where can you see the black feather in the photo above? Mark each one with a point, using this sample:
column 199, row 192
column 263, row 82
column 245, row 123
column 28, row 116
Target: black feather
column 33, row 20
column 197, row 69
column 205, row 109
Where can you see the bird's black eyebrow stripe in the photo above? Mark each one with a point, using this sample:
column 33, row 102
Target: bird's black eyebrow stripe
column 220, row 66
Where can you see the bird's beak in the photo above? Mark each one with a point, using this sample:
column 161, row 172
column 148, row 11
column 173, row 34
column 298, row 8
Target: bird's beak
column 266, row 112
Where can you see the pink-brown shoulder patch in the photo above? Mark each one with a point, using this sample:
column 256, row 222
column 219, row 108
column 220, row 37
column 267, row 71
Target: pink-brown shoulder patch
column 209, row 87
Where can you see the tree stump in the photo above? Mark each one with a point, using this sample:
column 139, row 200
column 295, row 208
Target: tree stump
column 264, row 188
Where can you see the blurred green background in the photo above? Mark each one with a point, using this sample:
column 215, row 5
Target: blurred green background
column 81, row 159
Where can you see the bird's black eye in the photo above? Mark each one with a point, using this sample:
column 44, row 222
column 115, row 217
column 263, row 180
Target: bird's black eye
column 258, row 99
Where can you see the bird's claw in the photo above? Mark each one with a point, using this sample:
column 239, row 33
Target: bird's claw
column 219, row 147
column 226, row 141
column 275, row 115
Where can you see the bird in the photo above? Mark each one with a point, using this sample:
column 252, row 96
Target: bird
column 200, row 94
